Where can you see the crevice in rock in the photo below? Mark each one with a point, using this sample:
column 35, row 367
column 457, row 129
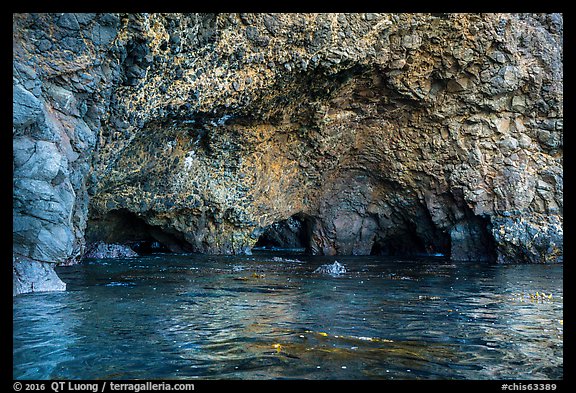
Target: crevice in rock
column 472, row 240
column 292, row 233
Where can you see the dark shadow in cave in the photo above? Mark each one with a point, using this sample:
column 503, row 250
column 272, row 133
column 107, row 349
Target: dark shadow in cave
column 407, row 242
column 459, row 234
column 124, row 227
column 469, row 239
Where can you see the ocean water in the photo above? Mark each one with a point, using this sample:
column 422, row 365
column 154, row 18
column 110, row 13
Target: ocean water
column 272, row 315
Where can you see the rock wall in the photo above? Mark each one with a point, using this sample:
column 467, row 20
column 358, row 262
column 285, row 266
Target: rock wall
column 60, row 93
column 380, row 133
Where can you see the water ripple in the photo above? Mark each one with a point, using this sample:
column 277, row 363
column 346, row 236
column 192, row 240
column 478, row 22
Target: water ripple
column 176, row 317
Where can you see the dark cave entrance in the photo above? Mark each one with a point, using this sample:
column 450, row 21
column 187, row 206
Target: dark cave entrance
column 409, row 243
column 124, row 227
column 467, row 240
column 292, row 233
column 411, row 236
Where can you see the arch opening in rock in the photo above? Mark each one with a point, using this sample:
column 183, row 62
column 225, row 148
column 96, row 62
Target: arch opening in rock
column 409, row 242
column 126, row 228
column 469, row 239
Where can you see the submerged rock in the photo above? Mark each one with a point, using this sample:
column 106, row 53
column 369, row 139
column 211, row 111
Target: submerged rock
column 103, row 250
column 333, row 269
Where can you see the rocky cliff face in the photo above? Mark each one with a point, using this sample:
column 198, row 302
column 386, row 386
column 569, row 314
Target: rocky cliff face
column 340, row 133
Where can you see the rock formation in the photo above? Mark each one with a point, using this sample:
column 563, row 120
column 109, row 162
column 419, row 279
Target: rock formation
column 333, row 269
column 341, row 133
column 103, row 250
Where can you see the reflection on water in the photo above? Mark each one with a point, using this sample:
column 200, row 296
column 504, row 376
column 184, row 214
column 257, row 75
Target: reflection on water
column 271, row 316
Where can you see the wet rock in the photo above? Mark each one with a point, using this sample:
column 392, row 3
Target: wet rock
column 54, row 112
column 101, row 250
column 333, row 269
column 34, row 276
column 26, row 107
column 272, row 24
column 528, row 239
column 103, row 35
column 68, row 21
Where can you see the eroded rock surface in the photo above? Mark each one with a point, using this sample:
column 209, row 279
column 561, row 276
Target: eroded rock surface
column 377, row 133
column 33, row 276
